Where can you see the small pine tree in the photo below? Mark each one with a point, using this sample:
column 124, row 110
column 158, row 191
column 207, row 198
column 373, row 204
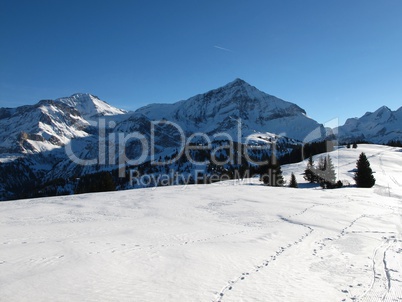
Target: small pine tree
column 265, row 179
column 354, row 146
column 320, row 171
column 322, row 164
column 278, row 178
column 309, row 173
column 327, row 175
column 293, row 181
column 262, row 170
column 348, row 146
column 364, row 175
column 331, row 175
column 275, row 172
column 272, row 176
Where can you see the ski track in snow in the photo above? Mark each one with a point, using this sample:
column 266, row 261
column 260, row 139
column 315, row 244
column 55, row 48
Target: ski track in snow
column 381, row 287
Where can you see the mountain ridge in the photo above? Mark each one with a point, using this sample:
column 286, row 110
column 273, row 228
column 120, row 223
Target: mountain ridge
column 381, row 126
column 216, row 110
column 61, row 140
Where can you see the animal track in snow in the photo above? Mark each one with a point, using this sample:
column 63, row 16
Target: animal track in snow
column 265, row 263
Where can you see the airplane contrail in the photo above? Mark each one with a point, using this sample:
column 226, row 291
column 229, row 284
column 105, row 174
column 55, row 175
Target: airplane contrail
column 222, row 48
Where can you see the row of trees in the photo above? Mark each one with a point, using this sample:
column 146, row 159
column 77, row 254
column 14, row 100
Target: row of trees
column 354, row 146
column 271, row 173
column 323, row 174
column 395, row 143
column 96, row 182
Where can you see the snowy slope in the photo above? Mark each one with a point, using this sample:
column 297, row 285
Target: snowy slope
column 379, row 127
column 228, row 241
column 219, row 110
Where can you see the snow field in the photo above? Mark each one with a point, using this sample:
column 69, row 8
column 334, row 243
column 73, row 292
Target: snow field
column 228, row 241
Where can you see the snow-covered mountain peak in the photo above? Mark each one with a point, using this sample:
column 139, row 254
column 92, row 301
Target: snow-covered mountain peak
column 237, row 89
column 383, row 112
column 89, row 105
column 237, row 83
column 383, row 108
column 218, row 110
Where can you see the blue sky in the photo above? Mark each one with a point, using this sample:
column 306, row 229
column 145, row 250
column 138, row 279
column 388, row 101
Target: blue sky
column 335, row 59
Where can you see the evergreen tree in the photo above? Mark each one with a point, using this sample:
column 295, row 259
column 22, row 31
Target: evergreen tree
column 293, row 181
column 327, row 175
column 273, row 173
column 263, row 171
column 348, row 146
column 278, row 177
column 354, row 145
column 364, row 175
column 395, row 143
column 97, row 182
column 310, row 173
column 322, row 164
column 320, row 171
column 331, row 174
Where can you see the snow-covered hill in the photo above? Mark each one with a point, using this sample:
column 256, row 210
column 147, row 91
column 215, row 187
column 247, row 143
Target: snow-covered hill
column 380, row 127
column 229, row 241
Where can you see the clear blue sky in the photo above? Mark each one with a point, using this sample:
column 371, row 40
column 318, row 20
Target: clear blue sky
column 335, row 58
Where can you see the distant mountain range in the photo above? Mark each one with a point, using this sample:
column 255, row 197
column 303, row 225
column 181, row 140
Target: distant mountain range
column 70, row 137
column 380, row 127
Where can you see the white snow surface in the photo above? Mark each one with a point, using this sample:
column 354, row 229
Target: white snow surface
column 229, row 241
